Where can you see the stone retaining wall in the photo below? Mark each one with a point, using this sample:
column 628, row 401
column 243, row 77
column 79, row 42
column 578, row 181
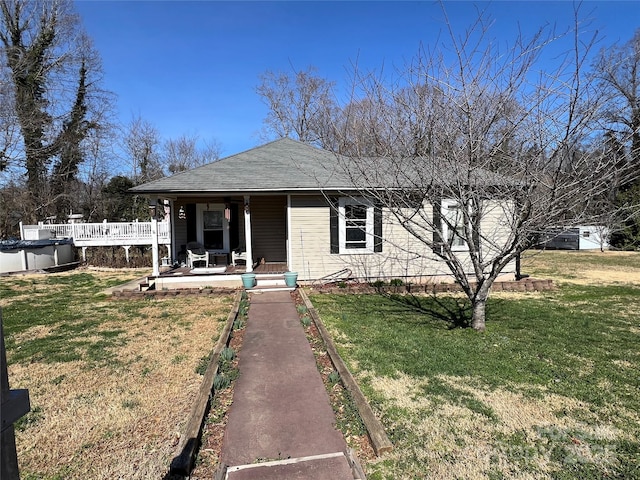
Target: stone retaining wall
column 525, row 285
column 173, row 293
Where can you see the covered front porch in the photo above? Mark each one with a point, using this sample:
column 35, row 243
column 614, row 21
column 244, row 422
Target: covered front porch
column 237, row 232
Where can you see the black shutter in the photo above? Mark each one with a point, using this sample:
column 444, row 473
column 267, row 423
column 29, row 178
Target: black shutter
column 333, row 225
column 475, row 223
column 377, row 228
column 437, row 225
column 192, row 234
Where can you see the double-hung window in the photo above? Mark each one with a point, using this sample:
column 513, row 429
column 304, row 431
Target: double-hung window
column 357, row 227
column 212, row 227
column 453, row 225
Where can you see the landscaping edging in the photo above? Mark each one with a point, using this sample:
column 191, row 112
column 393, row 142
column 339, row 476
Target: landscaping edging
column 172, row 293
column 524, row 285
column 183, row 462
column 379, row 440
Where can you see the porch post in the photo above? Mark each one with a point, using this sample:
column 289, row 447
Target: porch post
column 172, row 252
column 247, row 233
column 154, row 247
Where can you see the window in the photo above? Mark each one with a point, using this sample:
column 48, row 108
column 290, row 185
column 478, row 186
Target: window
column 213, row 231
column 356, row 226
column 212, row 228
column 453, row 225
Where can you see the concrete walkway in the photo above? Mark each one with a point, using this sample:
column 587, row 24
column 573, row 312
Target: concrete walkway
column 281, row 424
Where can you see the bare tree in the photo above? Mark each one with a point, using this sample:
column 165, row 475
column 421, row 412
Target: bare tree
column 141, row 144
column 100, row 161
column 483, row 150
column 617, row 69
column 9, row 129
column 183, row 153
column 53, row 93
column 300, row 106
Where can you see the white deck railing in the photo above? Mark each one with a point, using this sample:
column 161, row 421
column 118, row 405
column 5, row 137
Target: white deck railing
column 105, row 233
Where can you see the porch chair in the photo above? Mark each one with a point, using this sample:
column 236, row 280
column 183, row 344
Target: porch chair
column 196, row 253
column 238, row 255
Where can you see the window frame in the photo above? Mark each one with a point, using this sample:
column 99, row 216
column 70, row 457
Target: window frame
column 369, row 230
column 201, row 209
column 450, row 234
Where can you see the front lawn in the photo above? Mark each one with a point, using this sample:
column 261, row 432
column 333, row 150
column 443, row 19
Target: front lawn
column 550, row 390
column 111, row 381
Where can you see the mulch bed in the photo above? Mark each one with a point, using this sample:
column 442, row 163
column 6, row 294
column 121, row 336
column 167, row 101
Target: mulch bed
column 524, row 285
column 216, row 422
column 339, row 396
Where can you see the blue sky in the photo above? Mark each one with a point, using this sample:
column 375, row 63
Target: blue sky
column 193, row 67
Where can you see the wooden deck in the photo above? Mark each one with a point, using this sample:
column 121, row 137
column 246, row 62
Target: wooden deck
column 271, row 268
column 104, row 233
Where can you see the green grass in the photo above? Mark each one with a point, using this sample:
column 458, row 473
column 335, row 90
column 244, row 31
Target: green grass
column 70, row 313
column 578, row 343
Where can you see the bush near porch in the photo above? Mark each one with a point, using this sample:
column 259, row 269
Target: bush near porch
column 140, row 256
column 550, row 390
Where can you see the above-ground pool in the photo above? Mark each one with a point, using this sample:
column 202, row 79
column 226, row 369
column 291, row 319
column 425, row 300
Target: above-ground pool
column 23, row 255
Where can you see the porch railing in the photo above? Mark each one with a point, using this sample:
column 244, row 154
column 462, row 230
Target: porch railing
column 103, row 234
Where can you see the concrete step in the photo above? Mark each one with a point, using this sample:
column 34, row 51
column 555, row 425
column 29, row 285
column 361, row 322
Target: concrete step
column 269, row 283
column 334, row 466
column 146, row 284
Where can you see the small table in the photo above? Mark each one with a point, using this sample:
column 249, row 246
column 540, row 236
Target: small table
column 219, row 258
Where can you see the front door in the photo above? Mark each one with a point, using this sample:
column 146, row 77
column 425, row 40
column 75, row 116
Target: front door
column 212, row 227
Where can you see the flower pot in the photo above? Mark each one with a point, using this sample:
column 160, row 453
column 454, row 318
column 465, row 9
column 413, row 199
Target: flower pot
column 291, row 278
column 248, row 280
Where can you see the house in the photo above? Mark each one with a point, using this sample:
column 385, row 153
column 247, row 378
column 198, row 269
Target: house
column 287, row 202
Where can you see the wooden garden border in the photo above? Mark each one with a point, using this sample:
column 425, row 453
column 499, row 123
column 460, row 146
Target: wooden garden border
column 379, row 440
column 182, row 464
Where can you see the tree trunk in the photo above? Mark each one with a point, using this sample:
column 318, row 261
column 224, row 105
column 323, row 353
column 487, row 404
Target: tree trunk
column 478, row 317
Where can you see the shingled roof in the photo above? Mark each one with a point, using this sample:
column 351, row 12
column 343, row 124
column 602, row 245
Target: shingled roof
column 282, row 165
column 287, row 165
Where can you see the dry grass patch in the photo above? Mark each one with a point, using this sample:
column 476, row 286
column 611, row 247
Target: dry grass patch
column 584, row 267
column 448, row 440
column 119, row 415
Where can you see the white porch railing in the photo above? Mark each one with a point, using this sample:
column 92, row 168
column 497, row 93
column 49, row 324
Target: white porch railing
column 104, row 234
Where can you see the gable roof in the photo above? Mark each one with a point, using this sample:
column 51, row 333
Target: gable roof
column 281, row 165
